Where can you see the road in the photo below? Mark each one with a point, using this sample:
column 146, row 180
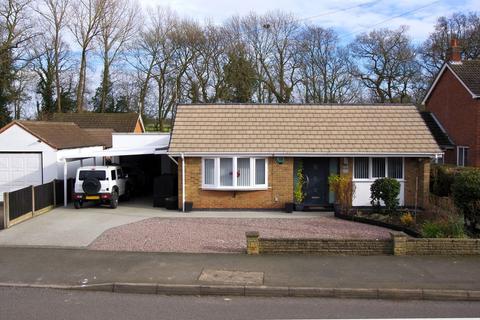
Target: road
column 29, row 303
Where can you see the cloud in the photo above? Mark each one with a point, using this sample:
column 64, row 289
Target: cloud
column 347, row 17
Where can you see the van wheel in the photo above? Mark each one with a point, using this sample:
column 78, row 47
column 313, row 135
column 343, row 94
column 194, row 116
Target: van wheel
column 114, row 200
column 77, row 204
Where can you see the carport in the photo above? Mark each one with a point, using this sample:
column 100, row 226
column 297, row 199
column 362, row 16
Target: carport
column 146, row 151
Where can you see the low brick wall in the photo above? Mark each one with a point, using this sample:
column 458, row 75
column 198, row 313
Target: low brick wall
column 325, row 246
column 399, row 244
column 423, row 247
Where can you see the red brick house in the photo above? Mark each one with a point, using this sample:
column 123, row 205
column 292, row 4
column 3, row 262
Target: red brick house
column 454, row 102
column 244, row 156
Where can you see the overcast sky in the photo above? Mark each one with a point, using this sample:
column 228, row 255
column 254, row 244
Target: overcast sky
column 347, row 17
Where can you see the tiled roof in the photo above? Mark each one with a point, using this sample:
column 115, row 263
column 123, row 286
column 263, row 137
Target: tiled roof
column 59, row 135
column 301, row 129
column 469, row 72
column 102, row 135
column 118, row 122
column 437, row 130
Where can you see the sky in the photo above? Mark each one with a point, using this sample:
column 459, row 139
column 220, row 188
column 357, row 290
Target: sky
column 348, row 18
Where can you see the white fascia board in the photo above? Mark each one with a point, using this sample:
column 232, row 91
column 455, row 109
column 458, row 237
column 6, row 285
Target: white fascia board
column 307, row 154
column 110, row 153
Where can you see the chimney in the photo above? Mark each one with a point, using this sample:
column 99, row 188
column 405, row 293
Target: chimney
column 455, row 52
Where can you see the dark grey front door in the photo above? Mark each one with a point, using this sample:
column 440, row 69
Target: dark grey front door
column 316, row 172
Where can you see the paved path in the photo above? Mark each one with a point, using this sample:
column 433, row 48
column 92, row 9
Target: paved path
column 219, row 235
column 54, row 304
column 79, row 266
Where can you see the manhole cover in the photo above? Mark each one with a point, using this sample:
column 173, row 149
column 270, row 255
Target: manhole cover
column 235, row 277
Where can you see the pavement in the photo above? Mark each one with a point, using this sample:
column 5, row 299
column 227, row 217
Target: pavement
column 68, row 227
column 443, row 278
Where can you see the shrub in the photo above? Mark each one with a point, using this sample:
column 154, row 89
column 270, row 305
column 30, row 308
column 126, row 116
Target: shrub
column 407, row 219
column 466, row 194
column 441, row 181
column 344, row 190
column 386, row 190
column 448, row 228
column 298, row 193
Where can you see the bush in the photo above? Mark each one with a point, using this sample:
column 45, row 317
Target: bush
column 386, row 190
column 449, row 228
column 466, row 194
column 344, row 189
column 441, row 181
column 407, row 219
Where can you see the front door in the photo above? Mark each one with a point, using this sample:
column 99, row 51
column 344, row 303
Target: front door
column 316, row 171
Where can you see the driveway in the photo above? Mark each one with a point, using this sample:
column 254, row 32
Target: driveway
column 137, row 226
column 67, row 227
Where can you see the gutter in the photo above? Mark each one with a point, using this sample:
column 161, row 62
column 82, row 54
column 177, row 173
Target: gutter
column 183, row 182
column 306, row 155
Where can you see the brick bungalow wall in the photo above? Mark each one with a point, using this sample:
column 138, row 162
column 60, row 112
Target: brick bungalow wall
column 280, row 188
column 459, row 114
column 280, row 182
column 138, row 127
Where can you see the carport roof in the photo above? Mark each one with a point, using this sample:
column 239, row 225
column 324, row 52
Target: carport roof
column 116, row 152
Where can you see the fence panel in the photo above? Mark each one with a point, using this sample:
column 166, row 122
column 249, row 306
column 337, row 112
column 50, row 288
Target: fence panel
column 59, row 191
column 20, row 203
column 44, row 196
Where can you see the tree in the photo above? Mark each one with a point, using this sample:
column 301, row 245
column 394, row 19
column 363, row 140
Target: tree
column 240, row 77
column 15, row 37
column 462, row 26
column 117, row 27
column 85, row 18
column 54, row 13
column 387, row 64
column 326, row 68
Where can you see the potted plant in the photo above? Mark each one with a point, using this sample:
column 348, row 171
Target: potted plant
column 298, row 194
column 344, row 189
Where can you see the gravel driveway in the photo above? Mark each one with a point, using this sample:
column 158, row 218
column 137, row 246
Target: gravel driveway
column 225, row 234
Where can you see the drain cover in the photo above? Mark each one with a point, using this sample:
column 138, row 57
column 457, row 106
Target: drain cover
column 234, row 277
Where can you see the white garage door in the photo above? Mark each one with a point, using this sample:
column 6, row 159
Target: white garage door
column 19, row 170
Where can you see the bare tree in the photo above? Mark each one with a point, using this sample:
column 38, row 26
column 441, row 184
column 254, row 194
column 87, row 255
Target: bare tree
column 386, row 64
column 54, row 13
column 15, row 36
column 117, row 27
column 85, row 16
column 326, row 68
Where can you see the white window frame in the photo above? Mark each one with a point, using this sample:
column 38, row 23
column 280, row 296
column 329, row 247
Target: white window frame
column 234, row 187
column 370, row 168
column 463, row 148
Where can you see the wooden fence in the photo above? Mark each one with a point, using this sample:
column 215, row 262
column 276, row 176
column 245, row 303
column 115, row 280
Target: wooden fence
column 26, row 203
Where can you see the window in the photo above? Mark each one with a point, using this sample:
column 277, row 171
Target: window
column 100, row 175
column 208, row 171
column 462, row 156
column 114, row 175
column 373, row 168
column 120, row 174
column 361, row 168
column 395, row 168
column 378, row 167
column 234, row 173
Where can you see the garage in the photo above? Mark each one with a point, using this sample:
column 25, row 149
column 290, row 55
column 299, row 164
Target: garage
column 151, row 173
column 18, row 170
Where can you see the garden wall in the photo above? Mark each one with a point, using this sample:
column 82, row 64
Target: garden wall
column 399, row 244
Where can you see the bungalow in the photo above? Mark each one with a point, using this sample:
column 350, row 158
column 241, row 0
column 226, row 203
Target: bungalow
column 121, row 122
column 244, row 156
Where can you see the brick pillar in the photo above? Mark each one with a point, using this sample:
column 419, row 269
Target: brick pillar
column 399, row 241
column 253, row 245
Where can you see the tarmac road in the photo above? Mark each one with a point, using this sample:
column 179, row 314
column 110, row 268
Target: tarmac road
column 32, row 303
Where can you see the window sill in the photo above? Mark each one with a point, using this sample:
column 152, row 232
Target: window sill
column 207, row 188
column 373, row 180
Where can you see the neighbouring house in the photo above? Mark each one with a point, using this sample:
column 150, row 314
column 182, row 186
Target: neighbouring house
column 118, row 122
column 32, row 152
column 244, row 156
column 454, row 102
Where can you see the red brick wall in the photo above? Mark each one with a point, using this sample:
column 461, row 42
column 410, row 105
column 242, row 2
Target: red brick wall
column 417, row 168
column 138, row 127
column 280, row 189
column 459, row 114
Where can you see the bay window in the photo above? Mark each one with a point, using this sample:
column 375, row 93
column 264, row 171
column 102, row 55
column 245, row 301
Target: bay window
column 377, row 167
column 234, row 173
